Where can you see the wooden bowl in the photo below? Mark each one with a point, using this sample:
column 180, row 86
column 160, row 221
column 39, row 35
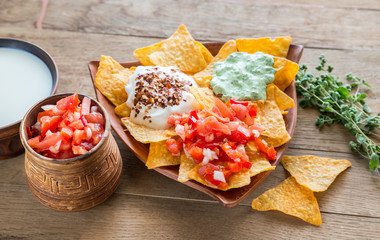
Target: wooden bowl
column 228, row 198
column 72, row 184
column 10, row 144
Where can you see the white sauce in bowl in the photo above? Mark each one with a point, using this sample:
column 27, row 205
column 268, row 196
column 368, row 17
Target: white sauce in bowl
column 24, row 80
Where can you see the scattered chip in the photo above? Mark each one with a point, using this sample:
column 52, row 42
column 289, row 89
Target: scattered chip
column 147, row 135
column 204, row 96
column 286, row 72
column 315, row 173
column 110, row 81
column 159, row 155
column 186, row 165
column 259, row 162
column 275, row 133
column 204, row 77
column 278, row 47
column 123, row 110
column 179, row 50
column 236, row 180
column 291, row 198
column 282, row 100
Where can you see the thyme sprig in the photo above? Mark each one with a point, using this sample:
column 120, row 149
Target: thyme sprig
column 344, row 104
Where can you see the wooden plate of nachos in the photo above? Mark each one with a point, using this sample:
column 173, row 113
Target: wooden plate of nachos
column 212, row 50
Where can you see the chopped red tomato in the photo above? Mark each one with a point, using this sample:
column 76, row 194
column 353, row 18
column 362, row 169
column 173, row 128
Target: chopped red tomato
column 235, row 101
column 175, row 147
column 67, row 129
column 223, row 109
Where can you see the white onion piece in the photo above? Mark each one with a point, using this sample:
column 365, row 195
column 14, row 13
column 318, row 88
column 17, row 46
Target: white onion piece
column 47, row 107
column 218, row 175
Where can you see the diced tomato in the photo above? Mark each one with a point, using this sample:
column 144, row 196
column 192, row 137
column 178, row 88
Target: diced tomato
column 85, row 107
column 94, row 117
column 174, row 147
column 235, row 101
column 78, row 124
column 252, row 110
column 68, row 103
column 65, row 145
column 66, row 154
column 223, row 109
column 271, row 154
column 29, row 131
column 175, row 119
column 77, row 137
column 33, row 142
column 235, row 166
column 193, row 117
column 48, row 141
column 240, row 111
column 79, row 150
column 196, row 153
column 49, row 123
column 87, row 145
column 211, row 124
column 67, row 133
column 247, row 165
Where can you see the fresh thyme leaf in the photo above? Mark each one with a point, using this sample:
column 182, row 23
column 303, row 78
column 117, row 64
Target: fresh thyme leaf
column 344, row 104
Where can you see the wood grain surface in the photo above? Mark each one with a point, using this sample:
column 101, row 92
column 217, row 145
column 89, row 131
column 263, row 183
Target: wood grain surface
column 148, row 205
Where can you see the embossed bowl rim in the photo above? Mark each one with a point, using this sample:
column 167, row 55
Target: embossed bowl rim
column 37, row 108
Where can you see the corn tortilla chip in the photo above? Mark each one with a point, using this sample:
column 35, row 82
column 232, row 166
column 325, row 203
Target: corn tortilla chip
column 159, row 156
column 278, row 47
column 179, row 50
column 259, row 162
column 123, row 110
column 204, row 97
column 236, row 180
column 286, row 72
column 275, row 133
column 282, row 100
column 204, row 77
column 186, row 165
column 205, row 52
column 290, row 198
column 111, row 79
column 147, row 135
column 315, row 173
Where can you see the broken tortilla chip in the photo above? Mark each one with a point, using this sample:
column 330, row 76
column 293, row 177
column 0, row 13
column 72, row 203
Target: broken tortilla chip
column 204, row 77
column 123, row 110
column 286, row 72
column 186, row 165
column 278, row 47
column 282, row 100
column 315, row 173
column 204, row 97
column 275, row 133
column 147, row 135
column 291, row 198
column 159, row 156
column 236, row 180
column 179, row 50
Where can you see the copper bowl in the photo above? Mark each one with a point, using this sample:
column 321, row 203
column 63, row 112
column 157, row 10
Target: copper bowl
column 77, row 183
column 10, row 144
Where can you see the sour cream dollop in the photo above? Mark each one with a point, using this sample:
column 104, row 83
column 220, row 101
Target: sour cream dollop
column 155, row 93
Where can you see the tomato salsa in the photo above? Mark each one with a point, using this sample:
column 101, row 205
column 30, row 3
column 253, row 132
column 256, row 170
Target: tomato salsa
column 217, row 139
column 67, row 129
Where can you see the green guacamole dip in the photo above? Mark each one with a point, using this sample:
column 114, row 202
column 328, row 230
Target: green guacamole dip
column 243, row 76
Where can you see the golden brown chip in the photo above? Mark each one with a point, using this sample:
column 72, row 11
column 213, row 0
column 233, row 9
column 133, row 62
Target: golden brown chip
column 259, row 162
column 123, row 110
column 204, row 97
column 179, row 50
column 278, row 47
column 315, row 173
column 204, row 77
column 275, row 133
column 291, row 198
column 282, row 100
column 236, row 180
column 159, row 156
column 186, row 165
column 286, row 72
column 147, row 135
column 111, row 79
column 205, row 52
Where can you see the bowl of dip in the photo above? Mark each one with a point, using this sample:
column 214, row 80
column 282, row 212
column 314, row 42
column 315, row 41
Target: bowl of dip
column 27, row 75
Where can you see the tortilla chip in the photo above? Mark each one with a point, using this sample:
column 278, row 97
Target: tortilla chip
column 159, row 156
column 259, row 162
column 147, row 135
column 286, row 72
column 111, row 79
column 180, row 50
column 236, row 180
column 278, row 47
column 123, row 110
column 204, row 96
column 205, row 52
column 315, row 173
column 186, row 165
column 282, row 100
column 204, row 77
column 290, row 198
column 275, row 133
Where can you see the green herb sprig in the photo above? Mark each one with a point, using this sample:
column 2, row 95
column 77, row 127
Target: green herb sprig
column 344, row 104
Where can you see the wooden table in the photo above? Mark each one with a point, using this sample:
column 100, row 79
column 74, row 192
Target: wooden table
column 148, row 205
